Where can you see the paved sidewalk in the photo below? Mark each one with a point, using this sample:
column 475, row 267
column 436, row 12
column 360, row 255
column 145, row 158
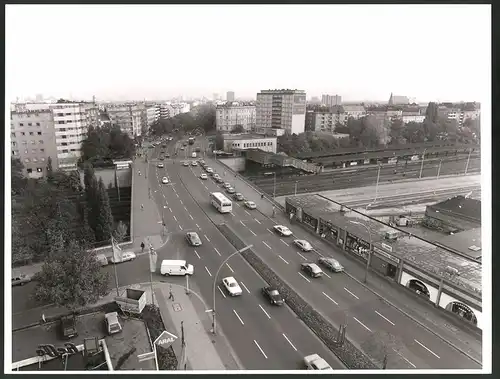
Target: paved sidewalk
column 433, row 319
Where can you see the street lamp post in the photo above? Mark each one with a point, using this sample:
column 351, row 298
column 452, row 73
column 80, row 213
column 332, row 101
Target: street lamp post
column 439, row 168
column 215, row 283
column 376, row 186
column 368, row 259
column 422, row 165
column 467, row 164
column 274, row 186
column 296, row 183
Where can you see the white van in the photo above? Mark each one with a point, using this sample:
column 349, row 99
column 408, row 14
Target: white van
column 193, row 155
column 176, row 267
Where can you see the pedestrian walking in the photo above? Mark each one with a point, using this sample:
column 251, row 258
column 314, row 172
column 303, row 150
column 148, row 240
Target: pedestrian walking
column 142, row 247
column 261, row 195
column 171, row 294
column 142, row 207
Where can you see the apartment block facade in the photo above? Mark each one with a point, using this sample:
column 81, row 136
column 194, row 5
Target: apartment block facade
column 354, row 111
column 168, row 110
column 331, row 100
column 152, row 114
column 231, row 114
column 281, row 109
column 130, row 118
column 325, row 120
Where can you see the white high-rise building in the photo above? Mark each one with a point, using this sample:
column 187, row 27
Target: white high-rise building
column 152, row 114
column 231, row 114
column 331, row 100
column 130, row 118
column 281, row 109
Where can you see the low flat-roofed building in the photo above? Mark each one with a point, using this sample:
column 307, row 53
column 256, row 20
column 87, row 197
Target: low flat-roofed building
column 450, row 280
column 455, row 214
column 133, row 340
column 249, row 141
column 467, row 242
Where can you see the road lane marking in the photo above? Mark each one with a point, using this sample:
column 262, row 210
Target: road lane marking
column 175, row 218
column 242, row 223
column 166, row 202
column 176, row 194
column 304, row 277
column 269, row 230
column 328, row 276
column 363, row 325
column 402, row 356
column 186, row 208
column 237, row 204
column 385, row 318
column 217, row 251
column 170, row 209
column 426, row 348
column 257, row 221
column 229, row 267
column 351, row 293
column 262, row 351
column 198, row 255
column 191, row 217
column 221, row 292
column 181, row 202
column 329, row 298
column 282, row 259
column 281, row 239
column 198, row 226
column 264, row 242
column 180, row 227
column 290, row 342
column 231, row 213
column 159, row 222
column 251, row 231
column 239, row 318
column 248, row 213
column 302, row 256
column 263, row 310
column 207, row 238
column 208, row 271
column 245, row 287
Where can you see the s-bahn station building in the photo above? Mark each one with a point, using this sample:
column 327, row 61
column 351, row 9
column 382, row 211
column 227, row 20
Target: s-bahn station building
column 449, row 277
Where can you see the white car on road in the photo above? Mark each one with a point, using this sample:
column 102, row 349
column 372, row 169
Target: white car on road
column 160, row 165
column 315, row 362
column 283, row 230
column 126, row 256
column 303, row 244
column 250, row 205
column 232, row 286
column 164, row 180
column 204, row 176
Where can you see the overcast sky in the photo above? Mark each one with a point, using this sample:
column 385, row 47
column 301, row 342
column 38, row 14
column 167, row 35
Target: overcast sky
column 155, row 52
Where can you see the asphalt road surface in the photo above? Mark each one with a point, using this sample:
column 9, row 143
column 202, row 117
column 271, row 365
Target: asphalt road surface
column 336, row 296
column 357, row 176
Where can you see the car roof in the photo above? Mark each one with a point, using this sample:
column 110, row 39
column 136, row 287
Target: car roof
column 229, row 279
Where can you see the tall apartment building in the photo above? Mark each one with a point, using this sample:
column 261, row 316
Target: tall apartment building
column 281, row 109
column 324, row 120
column 152, row 114
column 130, row 118
column 231, row 114
column 168, row 110
column 354, row 111
column 71, row 122
column 331, row 100
column 33, row 140
column 230, row 96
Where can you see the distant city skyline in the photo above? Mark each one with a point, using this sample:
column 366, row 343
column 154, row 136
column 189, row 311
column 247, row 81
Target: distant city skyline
column 413, row 62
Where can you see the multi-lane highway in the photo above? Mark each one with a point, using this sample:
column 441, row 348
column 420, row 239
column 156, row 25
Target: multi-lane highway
column 358, row 176
column 264, row 337
column 372, row 324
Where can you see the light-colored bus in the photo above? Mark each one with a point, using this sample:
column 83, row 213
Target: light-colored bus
column 221, row 202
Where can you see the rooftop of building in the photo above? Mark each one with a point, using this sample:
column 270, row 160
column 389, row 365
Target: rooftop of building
column 461, row 205
column 282, row 91
column 234, row 104
column 122, row 347
column 353, row 108
column 427, row 255
column 467, row 242
column 233, row 137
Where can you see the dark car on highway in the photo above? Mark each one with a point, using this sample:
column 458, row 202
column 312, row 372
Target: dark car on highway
column 68, row 327
column 312, row 269
column 20, row 280
column 193, row 239
column 238, row 197
column 331, row 264
column 273, row 296
column 167, row 155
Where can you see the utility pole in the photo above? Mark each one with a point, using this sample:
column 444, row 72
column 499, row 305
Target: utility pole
column 274, row 186
column 439, row 168
column 296, row 183
column 468, row 159
column 422, row 165
column 376, row 186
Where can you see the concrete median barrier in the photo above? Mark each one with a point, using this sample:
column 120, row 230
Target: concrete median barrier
column 351, row 356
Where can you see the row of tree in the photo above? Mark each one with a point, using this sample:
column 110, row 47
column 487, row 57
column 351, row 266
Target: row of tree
column 105, row 143
column 203, row 117
column 371, row 131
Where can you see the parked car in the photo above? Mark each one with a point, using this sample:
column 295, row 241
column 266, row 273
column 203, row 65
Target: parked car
column 232, row 286
column 303, row 245
column 238, row 197
column 282, row 230
column 312, row 269
column 219, row 179
column 204, row 176
column 250, row 205
column 331, row 264
column 160, row 165
column 315, row 362
column 167, row 155
column 273, row 295
column 68, row 327
column 126, row 256
column 185, row 164
column 20, row 280
column 210, row 170
column 193, row 239
column 194, row 163
column 164, row 180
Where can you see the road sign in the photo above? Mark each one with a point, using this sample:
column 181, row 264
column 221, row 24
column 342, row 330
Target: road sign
column 165, row 339
column 146, row 356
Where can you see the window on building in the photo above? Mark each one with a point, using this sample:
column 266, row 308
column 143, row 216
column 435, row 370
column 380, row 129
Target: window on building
column 64, row 137
column 68, row 114
column 33, row 151
column 61, row 122
column 23, row 133
column 42, row 150
column 40, row 141
column 26, row 160
column 26, row 151
column 37, row 124
column 30, row 124
column 39, row 169
column 73, row 149
column 35, row 160
column 62, row 129
column 24, row 142
column 21, row 124
column 64, row 144
column 12, row 134
column 30, row 170
column 60, row 114
column 65, row 151
column 14, row 152
column 31, row 133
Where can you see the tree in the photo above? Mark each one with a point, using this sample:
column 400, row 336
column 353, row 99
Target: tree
column 72, row 279
column 238, row 129
column 396, row 131
column 104, row 220
column 205, row 117
column 431, row 113
column 219, row 141
column 18, row 181
column 120, row 232
column 50, row 171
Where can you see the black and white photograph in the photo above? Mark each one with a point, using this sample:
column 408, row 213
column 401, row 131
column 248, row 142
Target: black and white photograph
column 241, row 188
